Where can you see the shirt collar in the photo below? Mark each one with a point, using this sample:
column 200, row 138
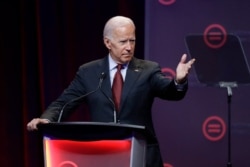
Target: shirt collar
column 113, row 64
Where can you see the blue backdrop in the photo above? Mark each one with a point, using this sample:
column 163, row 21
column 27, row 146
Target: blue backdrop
column 194, row 131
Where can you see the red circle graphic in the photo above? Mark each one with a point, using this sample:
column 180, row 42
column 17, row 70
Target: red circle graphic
column 168, row 72
column 67, row 164
column 167, row 2
column 167, row 165
column 215, row 36
column 214, row 128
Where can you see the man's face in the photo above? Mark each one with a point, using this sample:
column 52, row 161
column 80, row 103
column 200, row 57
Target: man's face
column 122, row 44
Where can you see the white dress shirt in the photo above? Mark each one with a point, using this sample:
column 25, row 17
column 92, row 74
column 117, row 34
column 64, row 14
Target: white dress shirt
column 113, row 69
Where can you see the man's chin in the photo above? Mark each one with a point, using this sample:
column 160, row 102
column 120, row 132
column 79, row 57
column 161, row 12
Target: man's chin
column 126, row 60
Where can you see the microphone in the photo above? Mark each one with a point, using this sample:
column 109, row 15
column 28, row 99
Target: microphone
column 113, row 104
column 103, row 75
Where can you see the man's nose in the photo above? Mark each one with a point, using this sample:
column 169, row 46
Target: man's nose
column 128, row 46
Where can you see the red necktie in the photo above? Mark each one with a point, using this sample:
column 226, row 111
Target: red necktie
column 117, row 87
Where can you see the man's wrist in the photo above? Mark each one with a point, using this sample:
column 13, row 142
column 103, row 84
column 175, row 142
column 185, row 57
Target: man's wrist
column 181, row 86
column 180, row 81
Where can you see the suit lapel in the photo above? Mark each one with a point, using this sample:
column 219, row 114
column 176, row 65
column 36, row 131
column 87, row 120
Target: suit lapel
column 133, row 72
column 106, row 85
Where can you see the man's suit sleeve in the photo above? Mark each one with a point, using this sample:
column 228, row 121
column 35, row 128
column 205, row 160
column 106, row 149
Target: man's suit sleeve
column 167, row 88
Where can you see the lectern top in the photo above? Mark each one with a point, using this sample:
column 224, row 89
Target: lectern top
column 93, row 131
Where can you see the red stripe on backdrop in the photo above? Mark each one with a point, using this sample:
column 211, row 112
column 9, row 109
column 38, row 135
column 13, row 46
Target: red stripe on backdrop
column 40, row 56
column 31, row 73
column 24, row 95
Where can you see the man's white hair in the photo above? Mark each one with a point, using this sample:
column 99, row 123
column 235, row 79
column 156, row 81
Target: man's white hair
column 114, row 22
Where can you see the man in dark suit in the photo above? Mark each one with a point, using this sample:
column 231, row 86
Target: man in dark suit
column 143, row 81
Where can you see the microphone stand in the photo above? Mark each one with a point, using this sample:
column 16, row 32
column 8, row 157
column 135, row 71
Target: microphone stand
column 229, row 86
column 81, row 97
column 113, row 104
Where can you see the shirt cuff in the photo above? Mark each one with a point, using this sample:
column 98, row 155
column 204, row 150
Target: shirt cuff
column 180, row 87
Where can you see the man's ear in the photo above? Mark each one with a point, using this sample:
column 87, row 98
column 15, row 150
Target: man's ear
column 107, row 42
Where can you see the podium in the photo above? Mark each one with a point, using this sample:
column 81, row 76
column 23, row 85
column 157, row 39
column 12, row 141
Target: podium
column 93, row 144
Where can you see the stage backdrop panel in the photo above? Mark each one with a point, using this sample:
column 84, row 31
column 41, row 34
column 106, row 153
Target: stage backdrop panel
column 194, row 131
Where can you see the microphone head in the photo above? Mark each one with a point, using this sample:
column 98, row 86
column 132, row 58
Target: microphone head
column 103, row 75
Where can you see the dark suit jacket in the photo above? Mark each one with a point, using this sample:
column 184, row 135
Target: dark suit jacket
column 144, row 81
